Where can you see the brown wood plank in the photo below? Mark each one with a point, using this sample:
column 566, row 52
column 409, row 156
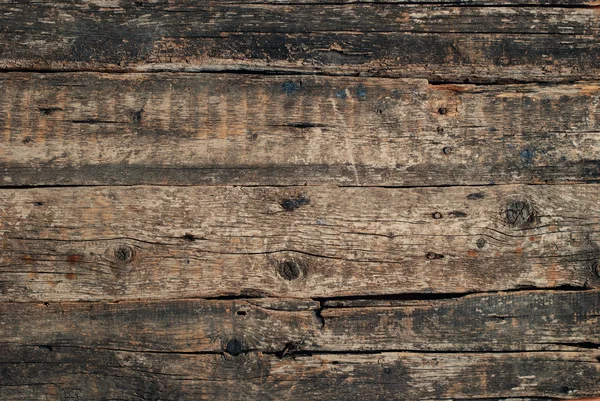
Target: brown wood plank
column 92, row 243
column 107, row 374
column 88, row 129
column 480, row 44
column 522, row 321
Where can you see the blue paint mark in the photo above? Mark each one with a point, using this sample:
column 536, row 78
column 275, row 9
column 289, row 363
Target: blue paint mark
column 527, row 156
column 290, row 87
column 341, row 94
column 361, row 92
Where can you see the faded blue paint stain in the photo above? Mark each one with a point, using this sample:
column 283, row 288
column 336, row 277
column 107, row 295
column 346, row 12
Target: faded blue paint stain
column 290, row 87
column 361, row 92
column 341, row 94
column 527, row 156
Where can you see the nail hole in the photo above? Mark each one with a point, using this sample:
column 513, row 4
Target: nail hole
column 437, row 215
column 387, row 371
column 442, row 110
column 234, row 347
column 480, row 243
column 447, row 150
column 136, row 116
column 39, row 203
column 432, row 255
column 241, row 313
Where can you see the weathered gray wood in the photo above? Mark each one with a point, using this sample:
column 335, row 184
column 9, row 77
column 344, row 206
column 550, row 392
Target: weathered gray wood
column 480, row 44
column 244, row 129
column 93, row 243
column 106, row 374
column 529, row 320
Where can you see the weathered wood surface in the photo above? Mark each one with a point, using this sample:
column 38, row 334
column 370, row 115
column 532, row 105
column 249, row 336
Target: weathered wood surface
column 79, row 373
column 445, row 44
column 88, row 129
column 521, row 321
column 92, row 243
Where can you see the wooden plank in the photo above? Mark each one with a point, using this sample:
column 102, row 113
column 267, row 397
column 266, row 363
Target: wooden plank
column 522, row 321
column 88, row 129
column 106, row 243
column 480, row 44
column 188, row 4
column 109, row 374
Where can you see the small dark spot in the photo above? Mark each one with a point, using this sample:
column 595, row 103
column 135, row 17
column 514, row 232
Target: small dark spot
column 335, row 363
column 38, row 203
column 253, row 136
column 136, row 116
column 74, row 258
column 290, row 87
column 387, row 371
column 481, row 243
column 361, row 92
column 28, row 140
column 442, row 110
column 71, row 276
column 520, row 213
column 437, row 215
column 241, row 313
column 49, row 110
column 189, row 237
column 447, row 150
column 380, row 111
column 527, row 156
column 290, row 269
column 476, row 195
column 341, row 94
column 565, row 389
column 432, row 255
column 440, row 130
column 46, row 303
column 458, row 213
column 46, row 347
column 391, row 235
column 124, row 254
column 293, row 204
column 234, row 347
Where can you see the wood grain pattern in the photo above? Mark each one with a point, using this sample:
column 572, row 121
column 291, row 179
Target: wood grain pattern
column 69, row 373
column 174, row 242
column 449, row 44
column 521, row 321
column 121, row 129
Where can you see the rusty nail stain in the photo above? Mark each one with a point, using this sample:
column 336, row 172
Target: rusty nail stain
column 124, row 254
column 74, row 258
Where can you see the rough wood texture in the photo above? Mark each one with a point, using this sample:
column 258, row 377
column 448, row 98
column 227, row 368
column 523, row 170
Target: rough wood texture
column 475, row 44
column 299, row 200
column 173, row 242
column 87, row 129
column 79, row 373
column 530, row 320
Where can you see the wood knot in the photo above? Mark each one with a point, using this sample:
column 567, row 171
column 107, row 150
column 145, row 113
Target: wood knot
column 520, row 213
column 291, row 269
column 136, row 116
column 595, row 266
column 481, row 243
column 124, row 254
column 292, row 204
column 234, row 347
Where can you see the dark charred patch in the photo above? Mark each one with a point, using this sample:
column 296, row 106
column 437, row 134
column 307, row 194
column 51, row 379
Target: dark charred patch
column 292, row 204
